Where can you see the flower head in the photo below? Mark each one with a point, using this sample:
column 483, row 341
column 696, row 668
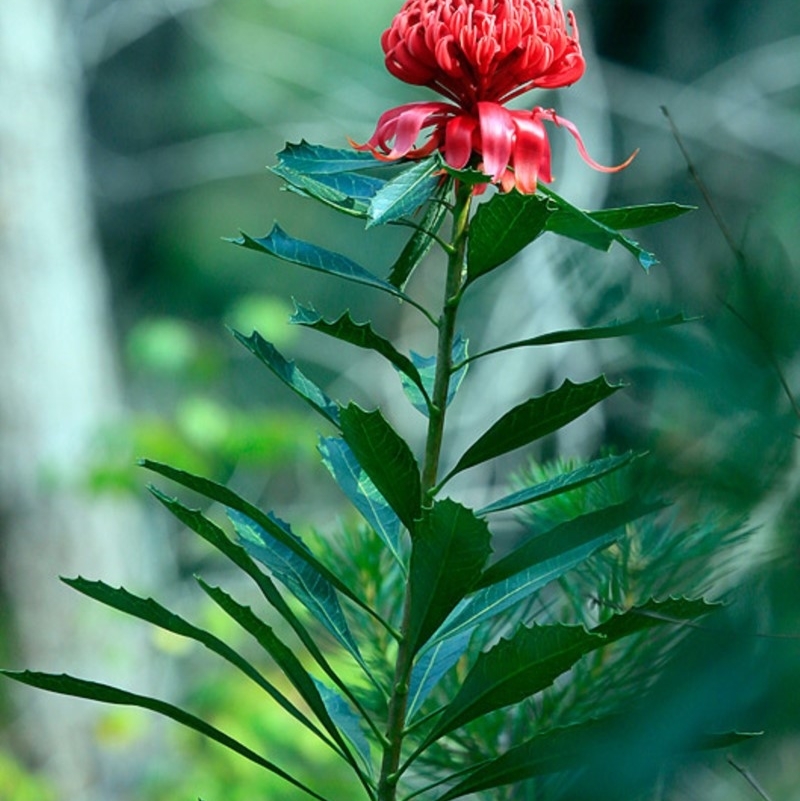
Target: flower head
column 479, row 54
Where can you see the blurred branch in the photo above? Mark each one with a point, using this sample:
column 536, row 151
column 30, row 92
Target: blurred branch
column 121, row 23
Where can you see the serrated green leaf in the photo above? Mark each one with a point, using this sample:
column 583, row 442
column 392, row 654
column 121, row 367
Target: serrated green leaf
column 347, row 192
column 422, row 240
column 406, row 192
column 283, row 657
column 640, row 325
column 562, row 749
column 450, row 548
column 152, row 612
column 535, row 418
column 229, row 499
column 564, row 482
column 297, row 574
column 601, row 229
column 217, row 538
column 539, row 561
column 515, row 669
column 362, row 493
column 426, row 366
column 386, row 459
column 291, row 375
column 361, row 335
column 94, row 691
column 311, row 159
column 501, row 228
column 279, row 244
column 672, row 611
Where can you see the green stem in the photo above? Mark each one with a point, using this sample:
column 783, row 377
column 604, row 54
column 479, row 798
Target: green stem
column 398, row 703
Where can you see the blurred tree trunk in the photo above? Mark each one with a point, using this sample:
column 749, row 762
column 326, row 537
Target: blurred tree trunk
column 58, row 385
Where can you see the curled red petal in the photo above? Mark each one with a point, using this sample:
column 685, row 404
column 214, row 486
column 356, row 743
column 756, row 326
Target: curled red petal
column 563, row 123
column 497, row 138
column 403, row 124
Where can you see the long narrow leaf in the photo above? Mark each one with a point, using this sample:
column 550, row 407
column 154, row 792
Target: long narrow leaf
column 229, row 499
column 152, row 612
column 347, row 721
column 104, row 693
column 514, row 669
column 563, row 482
column 362, row 493
column 561, row 749
column 450, row 549
column 421, row 242
column 216, row 537
column 289, row 664
column 291, row 375
column 386, row 459
column 640, row 325
column 306, row 583
column 362, row 335
column 535, row 418
column 279, row 244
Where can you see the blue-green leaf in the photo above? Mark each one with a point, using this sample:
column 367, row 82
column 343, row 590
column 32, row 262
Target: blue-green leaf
column 387, row 460
column 311, row 159
column 502, row 227
column 564, row 482
column 348, row 722
column 361, row 335
column 362, row 493
column 347, row 192
column 450, row 548
column 406, row 192
column 426, row 367
column 94, row 691
column 291, row 375
column 433, row 661
column 297, row 575
column 534, row 419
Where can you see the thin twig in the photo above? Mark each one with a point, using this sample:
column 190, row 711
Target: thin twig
column 748, row 777
column 741, row 260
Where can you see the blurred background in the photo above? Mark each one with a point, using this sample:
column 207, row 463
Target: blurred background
column 135, row 135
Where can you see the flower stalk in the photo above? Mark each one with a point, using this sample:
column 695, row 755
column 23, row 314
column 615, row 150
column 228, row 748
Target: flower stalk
column 398, row 703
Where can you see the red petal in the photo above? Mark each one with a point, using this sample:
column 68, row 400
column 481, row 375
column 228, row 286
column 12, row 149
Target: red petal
column 403, row 124
column 458, row 140
column 531, row 152
column 497, row 136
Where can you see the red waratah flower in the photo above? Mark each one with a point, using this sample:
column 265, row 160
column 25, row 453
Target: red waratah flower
column 480, row 54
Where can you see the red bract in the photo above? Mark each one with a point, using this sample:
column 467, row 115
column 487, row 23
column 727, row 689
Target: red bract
column 480, row 54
